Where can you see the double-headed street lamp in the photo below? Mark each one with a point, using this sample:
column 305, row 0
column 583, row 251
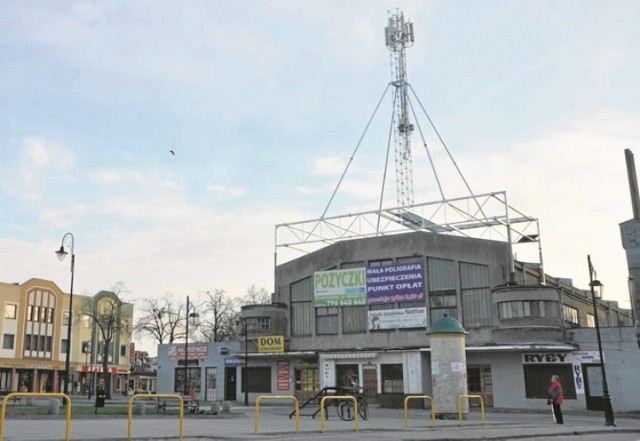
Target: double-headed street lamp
column 68, row 239
column 608, row 409
column 194, row 318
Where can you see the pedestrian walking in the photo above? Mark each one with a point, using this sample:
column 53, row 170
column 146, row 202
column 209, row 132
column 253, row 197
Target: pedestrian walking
column 556, row 398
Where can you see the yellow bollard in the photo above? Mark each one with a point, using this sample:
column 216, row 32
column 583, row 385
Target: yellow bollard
column 406, row 408
column 460, row 398
column 256, row 419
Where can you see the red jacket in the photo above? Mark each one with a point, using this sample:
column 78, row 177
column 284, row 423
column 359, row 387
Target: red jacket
column 555, row 392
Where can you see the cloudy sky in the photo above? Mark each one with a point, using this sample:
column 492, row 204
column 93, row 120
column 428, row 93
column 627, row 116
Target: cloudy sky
column 263, row 103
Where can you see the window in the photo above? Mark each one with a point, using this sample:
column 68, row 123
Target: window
column 527, row 308
column 591, row 321
column 123, row 350
column 570, row 314
column 211, row 375
column 179, row 384
column 86, row 321
column 65, row 317
column 391, row 378
column 537, row 378
column 476, row 295
column 327, row 320
column 7, row 341
column 442, row 288
column 302, row 306
column 10, row 311
column 64, row 347
column 354, row 319
column 263, row 323
column 258, row 378
column 307, row 379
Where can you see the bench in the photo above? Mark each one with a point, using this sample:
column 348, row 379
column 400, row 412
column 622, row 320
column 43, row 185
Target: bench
column 192, row 406
column 16, row 399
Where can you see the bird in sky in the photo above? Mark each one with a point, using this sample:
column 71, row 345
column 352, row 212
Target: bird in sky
column 172, row 152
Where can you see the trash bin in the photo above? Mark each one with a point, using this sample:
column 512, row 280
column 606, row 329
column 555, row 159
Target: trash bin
column 139, row 408
column 100, row 397
column 54, row 407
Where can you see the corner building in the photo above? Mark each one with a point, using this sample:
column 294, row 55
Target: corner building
column 523, row 326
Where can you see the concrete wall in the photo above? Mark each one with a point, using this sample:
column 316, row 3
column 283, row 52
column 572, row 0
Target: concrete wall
column 622, row 362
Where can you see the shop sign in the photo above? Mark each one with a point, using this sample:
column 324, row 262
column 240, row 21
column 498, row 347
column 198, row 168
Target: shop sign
column 274, row 343
column 233, row 362
column 340, row 288
column 196, row 352
column 544, row 357
column 282, row 374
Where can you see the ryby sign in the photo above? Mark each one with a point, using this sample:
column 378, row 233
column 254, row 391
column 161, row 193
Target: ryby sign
column 544, row 357
column 273, row 343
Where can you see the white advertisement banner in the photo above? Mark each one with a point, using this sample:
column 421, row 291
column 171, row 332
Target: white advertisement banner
column 397, row 318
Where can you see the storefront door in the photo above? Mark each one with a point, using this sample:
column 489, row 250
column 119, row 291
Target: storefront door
column 230, row 383
column 593, row 386
column 370, row 383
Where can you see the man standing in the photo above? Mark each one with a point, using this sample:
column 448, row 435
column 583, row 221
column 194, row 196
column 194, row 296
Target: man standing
column 556, row 398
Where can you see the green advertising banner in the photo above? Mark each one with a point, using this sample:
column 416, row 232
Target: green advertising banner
column 340, row 287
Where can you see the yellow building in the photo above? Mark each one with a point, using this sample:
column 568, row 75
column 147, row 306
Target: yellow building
column 34, row 328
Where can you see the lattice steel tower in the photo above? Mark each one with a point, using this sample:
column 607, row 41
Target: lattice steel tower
column 399, row 36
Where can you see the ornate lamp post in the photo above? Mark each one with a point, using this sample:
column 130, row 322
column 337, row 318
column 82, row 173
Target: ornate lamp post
column 194, row 318
column 68, row 239
column 608, row 409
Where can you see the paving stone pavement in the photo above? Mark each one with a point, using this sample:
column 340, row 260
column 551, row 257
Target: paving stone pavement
column 274, row 423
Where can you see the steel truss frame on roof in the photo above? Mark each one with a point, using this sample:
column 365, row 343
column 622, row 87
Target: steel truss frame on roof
column 484, row 216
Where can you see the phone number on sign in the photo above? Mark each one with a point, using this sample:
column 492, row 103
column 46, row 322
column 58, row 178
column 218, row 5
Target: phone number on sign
column 342, row 302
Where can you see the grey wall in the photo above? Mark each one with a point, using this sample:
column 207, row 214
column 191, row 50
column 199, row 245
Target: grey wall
column 622, row 362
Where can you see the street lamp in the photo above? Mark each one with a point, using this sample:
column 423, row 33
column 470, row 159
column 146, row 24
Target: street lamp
column 608, row 410
column 68, row 238
column 194, row 318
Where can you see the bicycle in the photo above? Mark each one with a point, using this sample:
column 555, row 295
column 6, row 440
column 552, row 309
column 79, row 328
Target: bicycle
column 346, row 410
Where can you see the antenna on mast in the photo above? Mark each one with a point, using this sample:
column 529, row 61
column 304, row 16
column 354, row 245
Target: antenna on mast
column 399, row 36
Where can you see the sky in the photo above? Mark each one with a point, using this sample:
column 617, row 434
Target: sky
column 263, row 104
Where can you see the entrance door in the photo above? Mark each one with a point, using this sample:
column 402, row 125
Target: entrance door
column 593, row 388
column 479, row 382
column 230, row 383
column 370, row 383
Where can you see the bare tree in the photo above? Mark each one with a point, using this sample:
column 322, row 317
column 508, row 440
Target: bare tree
column 110, row 316
column 161, row 319
column 255, row 296
column 218, row 316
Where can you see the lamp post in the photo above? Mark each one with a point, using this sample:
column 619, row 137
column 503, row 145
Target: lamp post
column 608, row 410
column 68, row 238
column 194, row 318
column 245, row 376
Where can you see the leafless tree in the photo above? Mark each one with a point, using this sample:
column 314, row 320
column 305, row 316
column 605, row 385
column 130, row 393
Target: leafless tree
column 110, row 315
column 255, row 296
column 161, row 319
column 218, row 314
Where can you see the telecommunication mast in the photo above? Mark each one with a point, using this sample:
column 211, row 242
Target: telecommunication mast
column 399, row 36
